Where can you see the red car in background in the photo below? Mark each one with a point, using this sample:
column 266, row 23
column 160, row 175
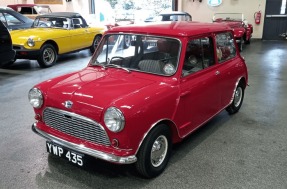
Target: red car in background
column 242, row 30
column 130, row 105
column 31, row 10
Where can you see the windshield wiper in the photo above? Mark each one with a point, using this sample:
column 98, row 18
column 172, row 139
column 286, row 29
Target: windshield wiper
column 117, row 66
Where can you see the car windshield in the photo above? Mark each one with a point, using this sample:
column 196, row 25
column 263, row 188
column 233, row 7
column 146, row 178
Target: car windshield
column 43, row 9
column 150, row 54
column 51, row 22
column 228, row 17
column 173, row 17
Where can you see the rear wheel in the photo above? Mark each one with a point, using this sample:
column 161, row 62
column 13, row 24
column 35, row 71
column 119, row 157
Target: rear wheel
column 237, row 100
column 248, row 41
column 154, row 153
column 95, row 44
column 240, row 44
column 48, row 56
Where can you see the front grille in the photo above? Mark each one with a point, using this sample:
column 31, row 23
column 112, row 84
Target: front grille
column 75, row 125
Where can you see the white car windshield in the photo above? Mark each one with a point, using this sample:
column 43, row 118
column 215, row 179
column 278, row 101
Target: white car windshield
column 150, row 54
column 228, row 17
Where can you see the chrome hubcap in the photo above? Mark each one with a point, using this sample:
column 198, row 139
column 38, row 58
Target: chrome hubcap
column 48, row 56
column 237, row 96
column 159, row 151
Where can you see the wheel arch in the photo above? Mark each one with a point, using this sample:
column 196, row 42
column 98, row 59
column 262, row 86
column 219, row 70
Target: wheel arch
column 51, row 42
column 242, row 81
column 172, row 127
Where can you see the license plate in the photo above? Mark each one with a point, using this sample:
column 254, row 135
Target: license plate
column 65, row 153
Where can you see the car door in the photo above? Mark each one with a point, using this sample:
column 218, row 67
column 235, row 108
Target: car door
column 228, row 64
column 199, row 92
column 80, row 34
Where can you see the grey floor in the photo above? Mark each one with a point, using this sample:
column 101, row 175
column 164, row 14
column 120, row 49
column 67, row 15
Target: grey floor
column 246, row 150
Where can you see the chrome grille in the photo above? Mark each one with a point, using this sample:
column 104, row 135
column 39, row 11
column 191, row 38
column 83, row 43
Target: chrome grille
column 75, row 125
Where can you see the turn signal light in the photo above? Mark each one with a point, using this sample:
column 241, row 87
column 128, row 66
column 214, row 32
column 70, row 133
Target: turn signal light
column 115, row 143
column 38, row 117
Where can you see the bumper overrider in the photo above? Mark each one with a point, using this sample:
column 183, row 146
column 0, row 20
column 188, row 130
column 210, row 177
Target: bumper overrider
column 94, row 153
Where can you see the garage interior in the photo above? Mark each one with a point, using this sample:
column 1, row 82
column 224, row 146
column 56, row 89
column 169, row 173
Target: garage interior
column 245, row 150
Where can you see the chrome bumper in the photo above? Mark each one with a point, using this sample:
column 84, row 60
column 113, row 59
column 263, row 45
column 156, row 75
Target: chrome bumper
column 97, row 154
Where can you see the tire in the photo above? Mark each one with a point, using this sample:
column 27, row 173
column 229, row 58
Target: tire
column 240, row 45
column 48, row 56
column 237, row 100
column 95, row 44
column 8, row 64
column 154, row 153
column 248, row 42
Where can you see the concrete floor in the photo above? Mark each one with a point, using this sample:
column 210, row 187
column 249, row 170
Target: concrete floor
column 246, row 150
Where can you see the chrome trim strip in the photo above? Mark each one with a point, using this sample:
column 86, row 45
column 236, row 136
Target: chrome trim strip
column 85, row 150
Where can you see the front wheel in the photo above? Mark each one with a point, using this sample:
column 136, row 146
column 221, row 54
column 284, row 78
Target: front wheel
column 155, row 151
column 48, row 56
column 237, row 100
column 95, row 44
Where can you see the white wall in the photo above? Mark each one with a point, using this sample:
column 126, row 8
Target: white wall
column 199, row 11
column 80, row 6
column 203, row 12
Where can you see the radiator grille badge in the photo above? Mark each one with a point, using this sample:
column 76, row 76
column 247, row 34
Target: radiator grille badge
column 68, row 104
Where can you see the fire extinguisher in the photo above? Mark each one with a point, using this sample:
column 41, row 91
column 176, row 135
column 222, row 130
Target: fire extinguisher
column 257, row 17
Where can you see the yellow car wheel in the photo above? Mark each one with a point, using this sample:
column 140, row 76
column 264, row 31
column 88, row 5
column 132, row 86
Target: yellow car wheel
column 48, row 56
column 95, row 44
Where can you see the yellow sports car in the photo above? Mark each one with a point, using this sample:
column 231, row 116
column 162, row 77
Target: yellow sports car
column 54, row 34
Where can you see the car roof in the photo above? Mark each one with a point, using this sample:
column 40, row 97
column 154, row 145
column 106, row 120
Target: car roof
column 177, row 28
column 21, row 5
column 61, row 14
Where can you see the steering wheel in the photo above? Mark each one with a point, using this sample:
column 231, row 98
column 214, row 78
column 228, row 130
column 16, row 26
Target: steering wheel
column 42, row 24
column 119, row 57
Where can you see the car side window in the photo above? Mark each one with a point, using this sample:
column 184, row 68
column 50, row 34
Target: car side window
column 225, row 47
column 77, row 23
column 12, row 20
column 2, row 18
column 199, row 55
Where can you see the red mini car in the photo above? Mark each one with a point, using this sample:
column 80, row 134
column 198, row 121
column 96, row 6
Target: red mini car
column 129, row 105
column 242, row 30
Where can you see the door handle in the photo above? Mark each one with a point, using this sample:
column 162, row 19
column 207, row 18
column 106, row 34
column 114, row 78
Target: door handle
column 185, row 93
column 217, row 72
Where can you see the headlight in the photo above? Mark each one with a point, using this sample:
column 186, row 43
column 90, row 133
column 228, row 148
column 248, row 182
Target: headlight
column 35, row 98
column 31, row 42
column 114, row 119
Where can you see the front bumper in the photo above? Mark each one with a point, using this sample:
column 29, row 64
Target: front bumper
column 94, row 153
column 22, row 53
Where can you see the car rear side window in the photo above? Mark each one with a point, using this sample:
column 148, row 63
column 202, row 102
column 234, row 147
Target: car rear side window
column 225, row 47
column 198, row 56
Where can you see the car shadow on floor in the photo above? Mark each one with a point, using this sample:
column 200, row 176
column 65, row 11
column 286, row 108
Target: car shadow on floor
column 95, row 172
